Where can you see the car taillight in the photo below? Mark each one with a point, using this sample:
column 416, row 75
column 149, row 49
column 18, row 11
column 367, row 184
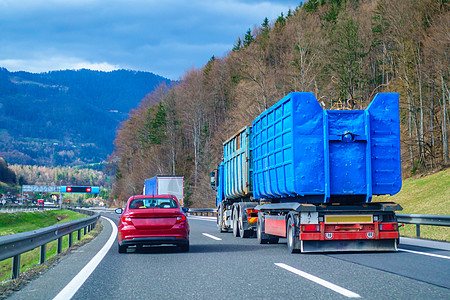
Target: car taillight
column 181, row 218
column 127, row 220
column 388, row 227
column 310, row 227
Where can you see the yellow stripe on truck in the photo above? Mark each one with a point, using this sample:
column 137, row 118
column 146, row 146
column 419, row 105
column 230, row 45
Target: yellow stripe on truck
column 348, row 219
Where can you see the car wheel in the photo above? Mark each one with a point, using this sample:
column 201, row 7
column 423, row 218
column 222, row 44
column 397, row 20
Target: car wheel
column 184, row 247
column 122, row 249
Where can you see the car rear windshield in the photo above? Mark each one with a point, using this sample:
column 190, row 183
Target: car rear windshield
column 153, row 203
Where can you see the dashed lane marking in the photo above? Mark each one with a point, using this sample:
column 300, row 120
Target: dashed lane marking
column 320, row 281
column 424, row 253
column 212, row 237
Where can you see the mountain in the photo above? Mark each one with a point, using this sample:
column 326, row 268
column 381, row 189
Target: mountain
column 66, row 117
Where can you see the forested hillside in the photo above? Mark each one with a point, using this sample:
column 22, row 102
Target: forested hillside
column 342, row 51
column 66, row 117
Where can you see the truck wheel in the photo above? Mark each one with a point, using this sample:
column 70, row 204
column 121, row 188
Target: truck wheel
column 262, row 238
column 242, row 232
column 291, row 239
column 122, row 249
column 220, row 219
column 235, row 224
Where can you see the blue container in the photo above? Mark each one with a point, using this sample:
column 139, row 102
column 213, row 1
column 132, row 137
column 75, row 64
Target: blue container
column 237, row 167
column 318, row 156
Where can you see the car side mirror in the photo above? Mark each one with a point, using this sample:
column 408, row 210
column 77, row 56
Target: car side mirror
column 185, row 209
column 119, row 211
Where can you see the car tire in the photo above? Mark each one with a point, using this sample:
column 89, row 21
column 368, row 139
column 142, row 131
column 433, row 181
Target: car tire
column 122, row 249
column 184, row 247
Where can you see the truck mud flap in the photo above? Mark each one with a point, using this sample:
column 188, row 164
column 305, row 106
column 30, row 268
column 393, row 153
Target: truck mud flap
column 348, row 245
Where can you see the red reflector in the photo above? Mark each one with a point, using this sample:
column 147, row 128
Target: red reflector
column 68, row 189
column 310, row 227
column 388, row 227
column 181, row 218
column 88, row 189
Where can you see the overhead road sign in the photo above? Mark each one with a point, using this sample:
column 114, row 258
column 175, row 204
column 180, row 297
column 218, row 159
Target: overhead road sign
column 80, row 189
column 41, row 188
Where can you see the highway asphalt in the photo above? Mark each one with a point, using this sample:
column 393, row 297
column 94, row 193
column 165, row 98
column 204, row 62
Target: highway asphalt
column 219, row 266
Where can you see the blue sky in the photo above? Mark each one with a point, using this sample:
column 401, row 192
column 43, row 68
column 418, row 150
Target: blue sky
column 166, row 37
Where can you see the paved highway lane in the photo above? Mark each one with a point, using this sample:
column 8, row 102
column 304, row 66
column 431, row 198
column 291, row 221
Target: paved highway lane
column 220, row 266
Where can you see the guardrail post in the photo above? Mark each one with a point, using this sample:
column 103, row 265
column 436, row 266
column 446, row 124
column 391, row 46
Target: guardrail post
column 15, row 267
column 84, row 230
column 43, row 253
column 418, row 230
column 79, row 235
column 59, row 245
column 70, row 239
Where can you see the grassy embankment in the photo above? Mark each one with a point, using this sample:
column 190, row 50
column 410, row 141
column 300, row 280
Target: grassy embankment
column 27, row 221
column 429, row 195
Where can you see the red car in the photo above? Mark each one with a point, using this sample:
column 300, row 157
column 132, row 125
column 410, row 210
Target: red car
column 153, row 220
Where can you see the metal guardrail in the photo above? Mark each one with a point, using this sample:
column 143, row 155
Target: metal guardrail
column 203, row 211
column 417, row 219
column 16, row 244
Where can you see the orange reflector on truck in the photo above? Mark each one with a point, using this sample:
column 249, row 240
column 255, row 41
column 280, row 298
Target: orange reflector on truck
column 348, row 219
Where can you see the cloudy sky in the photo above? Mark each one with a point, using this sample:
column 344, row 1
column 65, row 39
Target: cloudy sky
column 165, row 37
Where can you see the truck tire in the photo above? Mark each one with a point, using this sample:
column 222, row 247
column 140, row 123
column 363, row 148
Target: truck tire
column 260, row 235
column 220, row 226
column 243, row 232
column 235, row 223
column 291, row 238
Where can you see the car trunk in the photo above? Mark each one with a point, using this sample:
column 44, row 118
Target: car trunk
column 154, row 218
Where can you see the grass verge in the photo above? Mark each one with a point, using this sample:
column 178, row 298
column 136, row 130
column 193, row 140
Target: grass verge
column 429, row 195
column 29, row 261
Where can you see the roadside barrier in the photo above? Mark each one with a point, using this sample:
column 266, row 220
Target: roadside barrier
column 16, row 244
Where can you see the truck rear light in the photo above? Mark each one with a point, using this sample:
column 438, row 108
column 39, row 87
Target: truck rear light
column 310, row 227
column 251, row 211
column 181, row 218
column 127, row 220
column 388, row 227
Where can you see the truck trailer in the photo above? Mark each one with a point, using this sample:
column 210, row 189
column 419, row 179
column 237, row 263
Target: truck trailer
column 308, row 174
column 165, row 185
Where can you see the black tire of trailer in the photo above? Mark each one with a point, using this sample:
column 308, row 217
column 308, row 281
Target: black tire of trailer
column 235, row 223
column 260, row 235
column 244, row 233
column 220, row 226
column 291, row 236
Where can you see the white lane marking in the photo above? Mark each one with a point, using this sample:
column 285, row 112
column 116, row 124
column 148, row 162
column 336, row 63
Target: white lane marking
column 212, row 237
column 424, row 253
column 211, row 219
column 320, row 281
column 72, row 287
